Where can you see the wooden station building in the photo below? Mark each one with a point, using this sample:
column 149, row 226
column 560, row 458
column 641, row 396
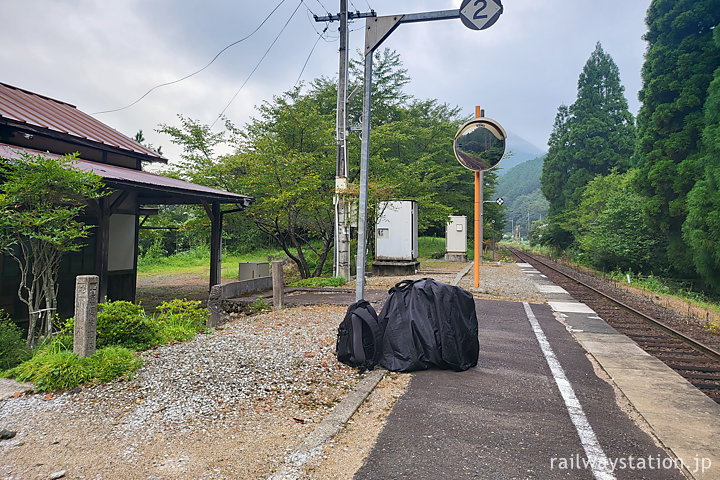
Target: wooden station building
column 38, row 125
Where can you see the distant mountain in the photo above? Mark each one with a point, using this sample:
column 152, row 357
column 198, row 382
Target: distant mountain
column 521, row 179
column 519, row 187
column 521, row 151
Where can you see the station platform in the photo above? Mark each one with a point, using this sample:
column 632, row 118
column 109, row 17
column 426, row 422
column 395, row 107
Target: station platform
column 557, row 393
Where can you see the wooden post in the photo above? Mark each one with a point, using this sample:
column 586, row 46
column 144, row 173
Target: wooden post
column 278, row 284
column 102, row 249
column 215, row 244
column 86, row 309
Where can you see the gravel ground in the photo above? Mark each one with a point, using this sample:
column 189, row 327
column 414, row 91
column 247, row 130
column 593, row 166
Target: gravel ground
column 498, row 281
column 230, row 404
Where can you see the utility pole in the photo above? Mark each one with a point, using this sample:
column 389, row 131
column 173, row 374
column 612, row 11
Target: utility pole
column 342, row 210
column 528, row 222
column 341, row 250
column 377, row 30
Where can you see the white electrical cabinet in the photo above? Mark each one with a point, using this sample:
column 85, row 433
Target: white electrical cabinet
column 396, row 230
column 456, row 234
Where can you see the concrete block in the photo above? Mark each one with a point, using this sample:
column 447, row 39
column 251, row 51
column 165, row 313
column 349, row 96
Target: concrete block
column 253, row 270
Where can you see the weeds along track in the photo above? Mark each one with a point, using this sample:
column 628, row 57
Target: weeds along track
column 678, row 341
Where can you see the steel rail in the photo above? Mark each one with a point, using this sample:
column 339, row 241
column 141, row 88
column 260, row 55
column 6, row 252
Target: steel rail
column 700, row 347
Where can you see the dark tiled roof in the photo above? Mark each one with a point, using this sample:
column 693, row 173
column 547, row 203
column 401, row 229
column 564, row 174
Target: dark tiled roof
column 151, row 185
column 24, row 107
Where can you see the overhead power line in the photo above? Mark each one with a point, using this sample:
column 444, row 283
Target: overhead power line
column 198, row 71
column 323, row 6
column 310, row 54
column 257, row 65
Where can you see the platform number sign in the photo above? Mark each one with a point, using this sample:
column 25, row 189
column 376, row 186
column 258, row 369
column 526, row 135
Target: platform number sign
column 480, row 14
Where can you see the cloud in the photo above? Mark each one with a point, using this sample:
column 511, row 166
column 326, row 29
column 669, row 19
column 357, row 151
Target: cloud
column 100, row 55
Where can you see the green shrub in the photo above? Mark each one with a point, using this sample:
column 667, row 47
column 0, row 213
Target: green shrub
column 319, row 282
column 179, row 320
column 259, row 305
column 110, row 363
column 188, row 309
column 125, row 324
column 12, row 343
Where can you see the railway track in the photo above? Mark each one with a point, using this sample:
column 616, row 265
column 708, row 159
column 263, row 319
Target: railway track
column 698, row 363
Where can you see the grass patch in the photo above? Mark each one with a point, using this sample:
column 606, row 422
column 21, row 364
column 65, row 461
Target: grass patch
column 51, row 369
column 197, row 261
column 431, row 247
column 319, row 282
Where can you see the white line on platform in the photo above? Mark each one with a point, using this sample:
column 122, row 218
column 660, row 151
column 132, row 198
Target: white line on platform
column 549, row 288
column 597, row 459
column 570, row 307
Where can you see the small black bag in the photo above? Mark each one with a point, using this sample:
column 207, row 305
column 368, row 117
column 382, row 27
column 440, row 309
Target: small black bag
column 429, row 324
column 359, row 338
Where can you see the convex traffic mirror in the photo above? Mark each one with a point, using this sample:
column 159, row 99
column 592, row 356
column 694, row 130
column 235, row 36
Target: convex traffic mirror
column 480, row 144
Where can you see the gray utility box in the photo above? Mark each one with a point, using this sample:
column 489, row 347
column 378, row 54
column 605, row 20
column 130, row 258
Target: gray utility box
column 396, row 238
column 456, row 239
column 396, row 230
column 253, row 270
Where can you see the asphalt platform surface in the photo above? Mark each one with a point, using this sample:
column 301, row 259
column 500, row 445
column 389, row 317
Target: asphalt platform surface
column 507, row 419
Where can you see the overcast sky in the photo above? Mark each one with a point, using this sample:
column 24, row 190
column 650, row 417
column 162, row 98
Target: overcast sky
column 101, row 55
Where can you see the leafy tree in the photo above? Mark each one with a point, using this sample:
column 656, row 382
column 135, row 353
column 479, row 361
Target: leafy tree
column 199, row 144
column 701, row 229
column 40, row 201
column 557, row 162
column 201, row 164
column 610, row 226
column 678, row 68
column 591, row 137
column 285, row 158
column 389, row 79
column 140, row 138
column 287, row 162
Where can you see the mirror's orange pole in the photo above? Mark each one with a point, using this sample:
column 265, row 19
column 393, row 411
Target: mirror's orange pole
column 478, row 242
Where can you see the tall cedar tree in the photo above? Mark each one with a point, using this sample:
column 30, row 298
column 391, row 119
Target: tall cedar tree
column 679, row 66
column 591, row 137
column 702, row 227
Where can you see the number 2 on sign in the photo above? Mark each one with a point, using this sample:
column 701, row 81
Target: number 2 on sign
column 483, row 4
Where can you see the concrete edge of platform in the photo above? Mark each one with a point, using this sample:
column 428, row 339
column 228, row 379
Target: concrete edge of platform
column 329, row 427
column 680, row 417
